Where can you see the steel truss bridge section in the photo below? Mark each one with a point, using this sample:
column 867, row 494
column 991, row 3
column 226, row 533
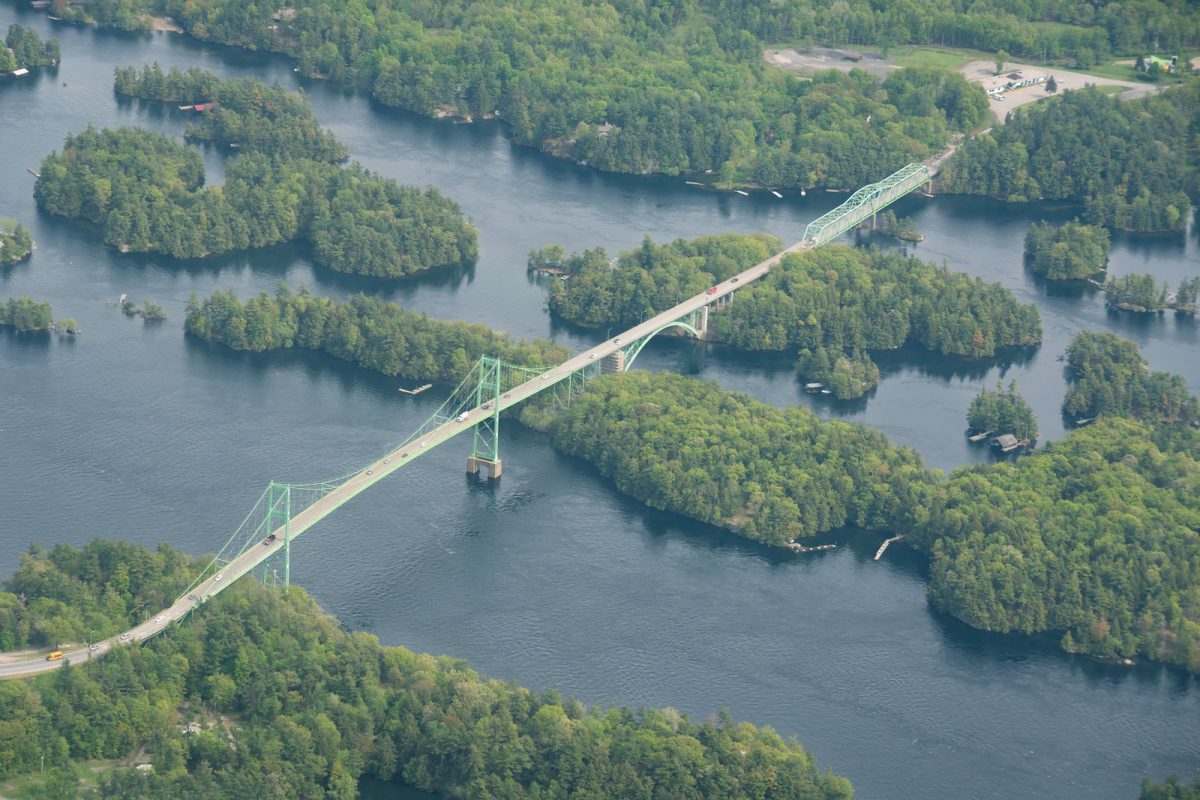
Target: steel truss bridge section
column 870, row 199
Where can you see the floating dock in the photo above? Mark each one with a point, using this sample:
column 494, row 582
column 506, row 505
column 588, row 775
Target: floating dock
column 883, row 547
column 978, row 437
column 417, row 390
column 796, row 547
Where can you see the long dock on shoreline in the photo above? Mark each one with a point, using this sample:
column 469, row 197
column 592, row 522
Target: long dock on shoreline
column 883, row 547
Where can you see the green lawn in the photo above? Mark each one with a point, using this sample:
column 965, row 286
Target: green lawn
column 937, row 57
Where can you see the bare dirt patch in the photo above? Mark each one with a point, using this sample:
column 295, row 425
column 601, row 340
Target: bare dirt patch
column 165, row 24
column 984, row 73
column 818, row 58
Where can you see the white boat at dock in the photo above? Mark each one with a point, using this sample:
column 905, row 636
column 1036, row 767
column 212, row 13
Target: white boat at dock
column 743, row 194
column 777, row 194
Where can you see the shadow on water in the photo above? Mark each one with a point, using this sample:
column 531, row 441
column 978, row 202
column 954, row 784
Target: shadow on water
column 31, row 340
column 989, row 646
column 257, row 368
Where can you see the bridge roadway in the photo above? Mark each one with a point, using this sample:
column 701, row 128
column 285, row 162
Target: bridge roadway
column 389, row 463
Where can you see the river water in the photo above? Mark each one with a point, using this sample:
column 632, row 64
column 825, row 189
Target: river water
column 552, row 578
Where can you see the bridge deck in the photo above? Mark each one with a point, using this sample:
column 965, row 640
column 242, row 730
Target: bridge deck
column 399, row 457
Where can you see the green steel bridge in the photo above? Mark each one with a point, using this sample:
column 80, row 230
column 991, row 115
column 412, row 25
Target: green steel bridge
column 287, row 510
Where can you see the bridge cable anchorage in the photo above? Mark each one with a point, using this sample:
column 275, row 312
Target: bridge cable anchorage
column 870, row 199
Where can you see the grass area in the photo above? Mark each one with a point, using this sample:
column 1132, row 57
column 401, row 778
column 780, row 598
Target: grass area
column 937, row 57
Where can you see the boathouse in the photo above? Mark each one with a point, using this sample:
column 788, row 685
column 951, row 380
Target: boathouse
column 1006, row 442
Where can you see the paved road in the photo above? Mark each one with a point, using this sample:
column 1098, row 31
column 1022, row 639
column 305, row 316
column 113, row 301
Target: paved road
column 386, row 465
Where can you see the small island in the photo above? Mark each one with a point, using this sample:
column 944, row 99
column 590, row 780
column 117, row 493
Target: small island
column 1073, row 251
column 149, row 312
column 24, row 49
column 28, row 315
column 16, row 242
column 886, row 223
column 146, row 191
column 1143, row 294
column 1003, row 417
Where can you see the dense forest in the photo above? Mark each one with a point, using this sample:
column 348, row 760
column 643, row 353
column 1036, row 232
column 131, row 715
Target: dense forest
column 260, row 694
column 1096, row 537
column 363, row 330
column 1003, row 411
column 829, row 306
column 146, row 192
column 1109, row 377
column 84, row 595
column 1128, row 163
column 16, row 242
column 23, row 47
column 660, row 87
column 766, row 473
column 26, row 314
column 1070, row 251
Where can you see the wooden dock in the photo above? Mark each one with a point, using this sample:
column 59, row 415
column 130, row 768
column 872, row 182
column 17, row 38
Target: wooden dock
column 883, row 547
column 978, row 437
column 417, row 390
column 796, row 547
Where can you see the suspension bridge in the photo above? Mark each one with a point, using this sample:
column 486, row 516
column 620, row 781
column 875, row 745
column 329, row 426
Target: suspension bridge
column 285, row 510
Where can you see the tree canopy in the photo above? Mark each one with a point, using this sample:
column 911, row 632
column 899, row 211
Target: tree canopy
column 16, row 242
column 1003, row 411
column 261, row 694
column 1097, row 537
column 1069, row 251
column 1109, row 377
column 768, row 474
column 23, row 47
column 1128, row 162
column 829, row 306
column 363, row 330
column 26, row 314
column 146, row 192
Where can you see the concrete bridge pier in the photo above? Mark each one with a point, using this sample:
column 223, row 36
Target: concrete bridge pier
column 490, row 469
column 613, row 363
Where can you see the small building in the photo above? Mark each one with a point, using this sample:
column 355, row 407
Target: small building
column 1006, row 443
column 850, row 55
column 203, row 106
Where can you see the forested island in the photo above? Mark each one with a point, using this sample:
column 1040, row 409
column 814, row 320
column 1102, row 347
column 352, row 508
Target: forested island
column 1109, row 377
column 829, row 306
column 24, row 49
column 363, row 330
column 26, row 314
column 1002, row 410
column 146, row 191
column 245, row 113
column 768, row 474
column 1071, row 251
column 261, row 694
column 16, row 242
column 1090, row 148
